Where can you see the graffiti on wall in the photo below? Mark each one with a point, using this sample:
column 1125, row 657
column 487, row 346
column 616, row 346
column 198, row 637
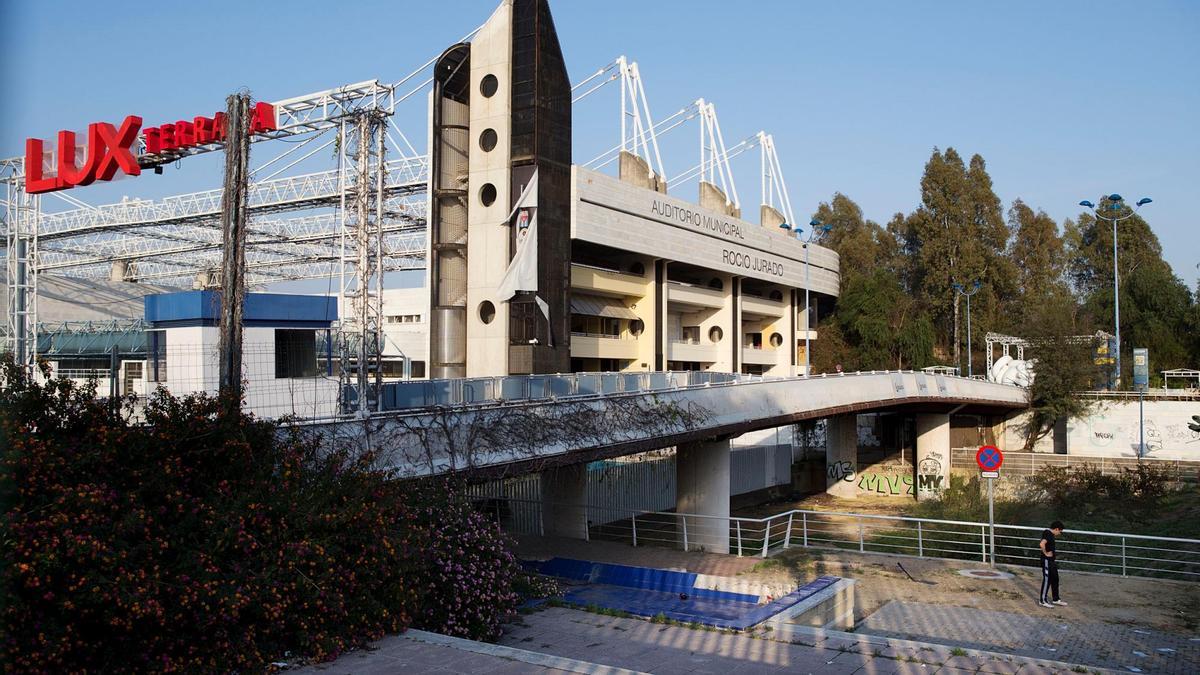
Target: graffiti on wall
column 929, row 472
column 1114, row 429
column 841, row 471
column 888, row 484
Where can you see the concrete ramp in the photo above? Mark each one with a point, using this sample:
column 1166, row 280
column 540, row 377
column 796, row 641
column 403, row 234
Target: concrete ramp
column 535, row 434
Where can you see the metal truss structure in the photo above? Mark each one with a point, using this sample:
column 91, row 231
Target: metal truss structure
column 1008, row 342
column 350, row 225
column 177, row 240
column 363, row 176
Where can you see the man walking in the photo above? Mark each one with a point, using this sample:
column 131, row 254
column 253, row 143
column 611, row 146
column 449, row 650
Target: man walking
column 1049, row 596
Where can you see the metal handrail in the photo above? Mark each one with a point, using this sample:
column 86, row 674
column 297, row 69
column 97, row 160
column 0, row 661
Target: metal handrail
column 695, row 379
column 863, row 531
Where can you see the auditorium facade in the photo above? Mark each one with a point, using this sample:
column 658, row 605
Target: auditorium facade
column 538, row 265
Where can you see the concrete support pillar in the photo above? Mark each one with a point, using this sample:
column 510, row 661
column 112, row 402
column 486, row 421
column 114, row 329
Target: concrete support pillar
column 841, row 456
column 702, row 488
column 933, row 454
column 564, row 502
column 997, row 429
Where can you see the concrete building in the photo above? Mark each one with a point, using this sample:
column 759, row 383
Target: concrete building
column 624, row 277
column 287, row 361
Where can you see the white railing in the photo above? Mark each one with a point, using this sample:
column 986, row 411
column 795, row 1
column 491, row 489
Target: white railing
column 1170, row 394
column 491, row 390
column 1079, row 550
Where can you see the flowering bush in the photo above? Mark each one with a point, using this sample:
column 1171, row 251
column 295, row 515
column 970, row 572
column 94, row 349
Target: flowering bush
column 198, row 541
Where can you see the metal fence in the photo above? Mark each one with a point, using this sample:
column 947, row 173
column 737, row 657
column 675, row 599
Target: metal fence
column 1028, row 463
column 1079, row 550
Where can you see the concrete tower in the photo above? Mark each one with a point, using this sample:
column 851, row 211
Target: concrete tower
column 501, row 113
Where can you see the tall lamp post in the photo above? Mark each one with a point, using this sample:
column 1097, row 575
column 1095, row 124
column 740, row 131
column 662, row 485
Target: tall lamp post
column 1112, row 212
column 817, row 226
column 960, row 289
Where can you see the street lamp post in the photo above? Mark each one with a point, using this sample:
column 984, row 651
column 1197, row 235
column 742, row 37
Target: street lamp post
column 1116, row 204
column 959, row 288
column 817, row 226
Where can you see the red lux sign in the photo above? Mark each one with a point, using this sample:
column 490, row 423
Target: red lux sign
column 110, row 149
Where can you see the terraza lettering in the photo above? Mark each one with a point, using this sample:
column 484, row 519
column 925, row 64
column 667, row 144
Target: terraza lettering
column 110, row 148
column 751, row 262
column 705, row 221
column 203, row 130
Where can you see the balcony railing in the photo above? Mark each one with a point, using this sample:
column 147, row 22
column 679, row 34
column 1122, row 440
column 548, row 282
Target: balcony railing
column 607, row 336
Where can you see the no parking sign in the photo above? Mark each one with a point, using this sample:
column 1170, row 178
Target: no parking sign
column 989, row 458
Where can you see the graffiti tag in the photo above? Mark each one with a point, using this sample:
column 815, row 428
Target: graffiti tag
column 893, row 485
column 841, row 471
column 929, row 481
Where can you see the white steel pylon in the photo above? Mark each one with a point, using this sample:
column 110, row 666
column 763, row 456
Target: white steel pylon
column 774, row 187
column 637, row 126
column 714, row 160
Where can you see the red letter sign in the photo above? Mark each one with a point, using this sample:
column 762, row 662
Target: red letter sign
column 108, row 150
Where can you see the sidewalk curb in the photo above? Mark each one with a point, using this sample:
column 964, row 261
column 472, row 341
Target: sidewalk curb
column 877, row 640
column 514, row 654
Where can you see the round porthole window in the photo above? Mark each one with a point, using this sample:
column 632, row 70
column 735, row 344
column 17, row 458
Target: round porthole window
column 487, row 194
column 487, row 140
column 777, row 295
column 487, row 311
column 715, row 334
column 488, row 86
column 637, row 326
column 716, row 283
column 776, row 339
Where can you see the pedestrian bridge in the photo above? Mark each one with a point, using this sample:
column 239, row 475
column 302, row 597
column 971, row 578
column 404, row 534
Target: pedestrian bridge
column 528, row 423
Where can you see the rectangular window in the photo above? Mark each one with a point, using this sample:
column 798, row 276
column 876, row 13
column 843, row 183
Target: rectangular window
column 158, row 355
column 416, row 369
column 295, row 353
column 404, row 318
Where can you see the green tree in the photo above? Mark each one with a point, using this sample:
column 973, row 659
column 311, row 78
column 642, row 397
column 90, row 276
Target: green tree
column 883, row 325
column 1156, row 306
column 1063, row 366
column 862, row 244
column 957, row 235
column 877, row 324
column 1037, row 252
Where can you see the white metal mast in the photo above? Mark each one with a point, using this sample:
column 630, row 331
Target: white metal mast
column 774, row 187
column 714, row 160
column 637, row 126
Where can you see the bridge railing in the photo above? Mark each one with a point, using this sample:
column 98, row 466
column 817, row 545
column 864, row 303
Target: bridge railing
column 482, row 390
column 1079, row 550
column 466, row 391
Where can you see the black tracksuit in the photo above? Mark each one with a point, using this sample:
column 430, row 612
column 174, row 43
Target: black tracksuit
column 1049, row 569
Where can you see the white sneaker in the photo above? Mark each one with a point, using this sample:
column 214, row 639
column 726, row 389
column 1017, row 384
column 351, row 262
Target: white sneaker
column 1060, row 602
column 1046, row 604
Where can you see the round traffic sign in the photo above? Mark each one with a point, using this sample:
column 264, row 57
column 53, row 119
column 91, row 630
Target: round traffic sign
column 989, row 458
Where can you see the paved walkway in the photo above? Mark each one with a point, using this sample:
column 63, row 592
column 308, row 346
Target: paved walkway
column 669, row 650
column 420, row 652
column 1092, row 644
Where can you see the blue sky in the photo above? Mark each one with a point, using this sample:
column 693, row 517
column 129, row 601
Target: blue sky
column 1064, row 100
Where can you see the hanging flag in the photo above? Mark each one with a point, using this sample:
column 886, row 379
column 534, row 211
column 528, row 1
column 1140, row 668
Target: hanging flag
column 521, row 274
